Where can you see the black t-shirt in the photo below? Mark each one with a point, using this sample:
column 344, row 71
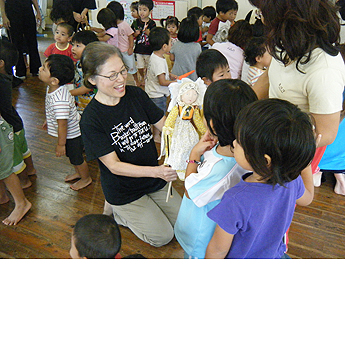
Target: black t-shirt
column 125, row 129
column 142, row 45
column 7, row 111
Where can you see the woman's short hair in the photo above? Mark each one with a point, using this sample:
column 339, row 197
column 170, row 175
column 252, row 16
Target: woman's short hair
column 94, row 56
column 282, row 131
column 189, row 30
column 295, row 28
column 240, row 33
column 222, row 102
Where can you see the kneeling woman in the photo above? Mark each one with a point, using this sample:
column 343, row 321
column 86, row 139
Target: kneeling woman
column 116, row 130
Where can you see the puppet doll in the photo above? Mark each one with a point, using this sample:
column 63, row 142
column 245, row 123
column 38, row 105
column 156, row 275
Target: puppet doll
column 184, row 125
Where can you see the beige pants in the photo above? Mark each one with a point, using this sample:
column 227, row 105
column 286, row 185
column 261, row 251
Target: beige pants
column 150, row 218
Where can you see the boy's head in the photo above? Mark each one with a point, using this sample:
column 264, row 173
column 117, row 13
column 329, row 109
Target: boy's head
column 80, row 40
column 189, row 30
column 62, row 12
column 209, row 13
column 277, row 139
column 107, row 18
column 227, row 10
column 117, row 8
column 144, row 9
column 134, row 9
column 57, row 70
column 8, row 57
column 256, row 52
column 95, row 236
column 63, row 33
column 197, row 13
column 222, row 102
column 211, row 66
column 159, row 38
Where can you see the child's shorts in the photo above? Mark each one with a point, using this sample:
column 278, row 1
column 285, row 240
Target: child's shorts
column 7, row 149
column 129, row 62
column 161, row 103
column 142, row 60
column 21, row 152
column 74, row 150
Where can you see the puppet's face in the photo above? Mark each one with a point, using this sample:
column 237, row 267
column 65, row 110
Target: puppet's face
column 189, row 97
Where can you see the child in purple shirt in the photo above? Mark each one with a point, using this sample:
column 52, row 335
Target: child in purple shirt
column 276, row 141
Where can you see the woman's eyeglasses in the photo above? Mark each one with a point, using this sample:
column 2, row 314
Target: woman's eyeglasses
column 115, row 75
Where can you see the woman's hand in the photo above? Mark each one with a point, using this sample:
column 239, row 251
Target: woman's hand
column 166, row 173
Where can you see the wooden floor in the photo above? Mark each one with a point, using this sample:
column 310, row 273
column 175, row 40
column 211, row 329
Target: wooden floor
column 317, row 231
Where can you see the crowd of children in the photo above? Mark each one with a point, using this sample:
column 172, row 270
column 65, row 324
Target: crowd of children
column 248, row 153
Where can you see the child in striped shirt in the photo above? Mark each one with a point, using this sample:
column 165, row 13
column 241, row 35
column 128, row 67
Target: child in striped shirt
column 62, row 117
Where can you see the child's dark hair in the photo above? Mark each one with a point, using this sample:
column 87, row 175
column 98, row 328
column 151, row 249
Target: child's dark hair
column 240, row 33
column 170, row 20
column 222, row 102
column 107, row 18
column 208, row 61
column 280, row 130
column 147, row 3
column 195, row 11
column 9, row 54
column 255, row 48
column 61, row 67
column 134, row 5
column 97, row 236
column 158, row 37
column 209, row 12
column 188, row 31
column 117, row 8
column 226, row 5
column 84, row 37
column 62, row 11
column 68, row 27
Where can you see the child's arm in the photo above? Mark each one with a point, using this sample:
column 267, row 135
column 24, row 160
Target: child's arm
column 162, row 81
column 103, row 37
column 80, row 91
column 219, row 245
column 209, row 39
column 172, row 57
column 131, row 44
column 62, row 135
column 97, row 30
column 308, row 195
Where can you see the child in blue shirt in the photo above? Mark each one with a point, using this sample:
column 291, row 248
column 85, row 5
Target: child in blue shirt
column 212, row 168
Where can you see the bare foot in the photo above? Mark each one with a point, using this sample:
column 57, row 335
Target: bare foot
column 317, row 179
column 18, row 213
column 81, row 184
column 72, row 177
column 340, row 184
column 25, row 183
column 4, row 198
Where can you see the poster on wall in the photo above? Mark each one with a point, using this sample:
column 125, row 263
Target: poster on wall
column 163, row 9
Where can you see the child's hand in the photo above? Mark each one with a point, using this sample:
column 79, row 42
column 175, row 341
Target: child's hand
column 130, row 51
column 60, row 150
column 206, row 143
column 44, row 125
column 173, row 76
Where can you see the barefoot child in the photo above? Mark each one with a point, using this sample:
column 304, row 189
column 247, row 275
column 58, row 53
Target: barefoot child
column 212, row 169
column 22, row 160
column 276, row 141
column 8, row 178
column 62, row 116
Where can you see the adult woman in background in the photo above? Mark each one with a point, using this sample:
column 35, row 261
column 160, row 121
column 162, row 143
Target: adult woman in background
column 306, row 68
column 116, row 131
column 19, row 19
